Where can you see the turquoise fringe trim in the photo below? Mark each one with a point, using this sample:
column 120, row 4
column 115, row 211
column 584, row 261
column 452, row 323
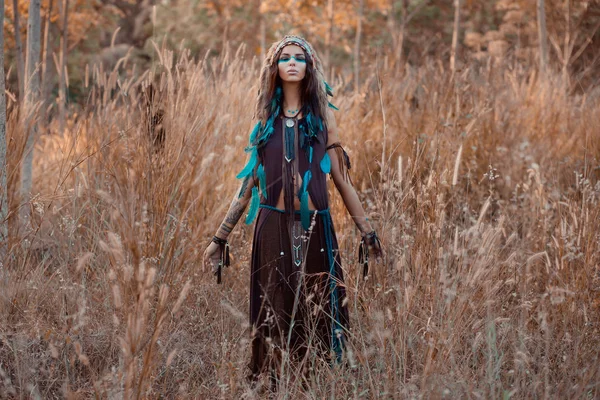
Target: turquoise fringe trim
column 262, row 180
column 325, row 164
column 254, row 203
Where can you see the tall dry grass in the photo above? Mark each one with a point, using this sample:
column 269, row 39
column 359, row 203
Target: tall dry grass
column 484, row 188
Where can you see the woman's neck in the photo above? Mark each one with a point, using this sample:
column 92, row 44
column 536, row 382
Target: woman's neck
column 291, row 95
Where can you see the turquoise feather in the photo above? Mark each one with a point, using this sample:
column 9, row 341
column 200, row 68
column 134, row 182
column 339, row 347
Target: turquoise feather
column 304, row 211
column 325, row 164
column 306, row 180
column 310, row 154
column 254, row 203
column 328, row 89
column 262, row 179
column 255, row 132
column 334, row 107
column 247, row 170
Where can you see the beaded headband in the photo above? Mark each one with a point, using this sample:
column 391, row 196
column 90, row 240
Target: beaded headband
column 296, row 40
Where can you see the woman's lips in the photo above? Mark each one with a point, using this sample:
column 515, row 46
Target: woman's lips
column 292, row 71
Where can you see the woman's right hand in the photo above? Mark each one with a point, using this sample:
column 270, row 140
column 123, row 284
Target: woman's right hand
column 212, row 256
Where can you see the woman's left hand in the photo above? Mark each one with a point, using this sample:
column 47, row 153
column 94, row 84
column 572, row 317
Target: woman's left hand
column 376, row 250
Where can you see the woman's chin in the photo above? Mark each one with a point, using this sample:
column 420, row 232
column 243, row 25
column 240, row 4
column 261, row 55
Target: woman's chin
column 293, row 78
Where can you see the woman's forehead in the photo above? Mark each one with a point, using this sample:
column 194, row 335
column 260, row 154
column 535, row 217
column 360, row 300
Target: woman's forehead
column 292, row 49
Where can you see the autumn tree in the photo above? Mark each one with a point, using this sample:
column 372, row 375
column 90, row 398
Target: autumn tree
column 32, row 83
column 542, row 35
column 3, row 163
column 62, row 72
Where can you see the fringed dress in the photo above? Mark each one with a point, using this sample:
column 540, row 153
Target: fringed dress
column 297, row 293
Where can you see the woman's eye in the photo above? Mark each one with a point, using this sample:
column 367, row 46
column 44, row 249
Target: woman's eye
column 284, row 59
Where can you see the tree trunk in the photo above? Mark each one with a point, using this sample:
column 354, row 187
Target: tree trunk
column 400, row 40
column 455, row 35
column 328, row 42
column 32, row 86
column 263, row 32
column 19, row 51
column 46, row 61
column 3, row 163
column 357, row 46
column 567, row 50
column 542, row 35
column 62, row 98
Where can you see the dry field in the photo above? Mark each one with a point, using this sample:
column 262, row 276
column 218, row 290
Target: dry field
column 483, row 186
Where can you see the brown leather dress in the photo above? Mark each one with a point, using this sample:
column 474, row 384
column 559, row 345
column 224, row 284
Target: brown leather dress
column 294, row 309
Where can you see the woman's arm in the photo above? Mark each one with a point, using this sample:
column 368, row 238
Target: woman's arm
column 343, row 183
column 236, row 209
column 241, row 198
column 341, row 179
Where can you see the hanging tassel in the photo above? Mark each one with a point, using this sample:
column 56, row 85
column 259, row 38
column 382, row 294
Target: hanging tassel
column 262, row 180
column 254, row 202
column 227, row 259
column 304, row 210
column 247, row 170
column 363, row 257
column 325, row 164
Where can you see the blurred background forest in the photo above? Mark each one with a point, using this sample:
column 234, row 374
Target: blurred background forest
column 349, row 34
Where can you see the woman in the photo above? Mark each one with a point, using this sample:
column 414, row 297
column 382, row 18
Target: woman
column 297, row 294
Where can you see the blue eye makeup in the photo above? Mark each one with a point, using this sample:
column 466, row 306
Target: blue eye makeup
column 286, row 58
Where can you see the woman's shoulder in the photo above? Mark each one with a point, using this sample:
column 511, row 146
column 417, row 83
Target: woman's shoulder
column 332, row 129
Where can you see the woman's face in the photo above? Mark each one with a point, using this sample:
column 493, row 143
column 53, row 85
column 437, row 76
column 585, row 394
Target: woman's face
column 292, row 63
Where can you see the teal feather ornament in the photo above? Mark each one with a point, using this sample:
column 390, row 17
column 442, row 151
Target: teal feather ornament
column 262, row 179
column 328, row 89
column 306, row 180
column 247, row 170
column 254, row 203
column 325, row 164
column 304, row 211
column 332, row 106
column 276, row 98
column 255, row 132
column 310, row 154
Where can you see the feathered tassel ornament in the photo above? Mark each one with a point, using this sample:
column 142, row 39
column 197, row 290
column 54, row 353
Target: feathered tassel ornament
column 325, row 164
column 247, row 170
column 254, row 203
column 262, row 180
column 304, row 210
column 255, row 132
column 363, row 257
column 224, row 259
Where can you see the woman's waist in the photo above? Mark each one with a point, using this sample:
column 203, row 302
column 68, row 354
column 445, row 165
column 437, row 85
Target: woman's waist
column 297, row 213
